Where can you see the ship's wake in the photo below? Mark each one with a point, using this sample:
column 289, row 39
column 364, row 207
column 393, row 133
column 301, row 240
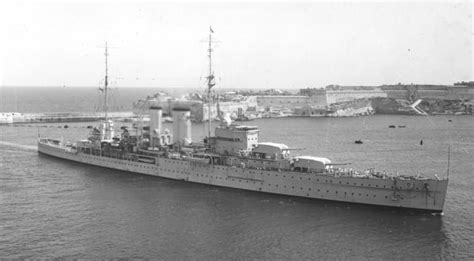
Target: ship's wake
column 5, row 144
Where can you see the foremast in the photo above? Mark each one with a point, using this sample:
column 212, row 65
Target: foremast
column 210, row 81
column 107, row 127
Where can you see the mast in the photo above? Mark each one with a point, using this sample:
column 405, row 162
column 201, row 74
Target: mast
column 210, row 80
column 106, row 83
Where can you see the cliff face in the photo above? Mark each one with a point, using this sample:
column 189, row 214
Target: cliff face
column 391, row 106
column 441, row 106
column 357, row 107
column 430, row 106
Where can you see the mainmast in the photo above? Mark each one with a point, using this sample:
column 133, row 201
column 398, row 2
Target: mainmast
column 210, row 81
column 106, row 83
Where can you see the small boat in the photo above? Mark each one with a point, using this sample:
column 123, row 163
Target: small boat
column 358, row 142
column 401, row 126
column 391, row 126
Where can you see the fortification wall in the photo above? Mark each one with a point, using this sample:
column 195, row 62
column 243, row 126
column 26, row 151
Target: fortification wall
column 349, row 94
column 445, row 92
column 291, row 101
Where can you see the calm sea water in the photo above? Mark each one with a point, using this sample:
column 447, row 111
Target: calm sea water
column 55, row 208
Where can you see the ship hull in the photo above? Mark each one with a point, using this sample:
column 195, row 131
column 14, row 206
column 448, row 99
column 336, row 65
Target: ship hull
column 427, row 195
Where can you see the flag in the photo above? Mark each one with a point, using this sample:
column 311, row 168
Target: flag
column 210, row 28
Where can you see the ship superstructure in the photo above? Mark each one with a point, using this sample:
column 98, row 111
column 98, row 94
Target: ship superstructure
column 233, row 157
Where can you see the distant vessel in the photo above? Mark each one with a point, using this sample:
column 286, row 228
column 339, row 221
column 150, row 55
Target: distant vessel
column 234, row 158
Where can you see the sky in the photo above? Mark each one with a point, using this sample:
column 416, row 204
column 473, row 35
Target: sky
column 284, row 45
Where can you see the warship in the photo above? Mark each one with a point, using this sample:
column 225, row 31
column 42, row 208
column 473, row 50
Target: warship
column 234, row 158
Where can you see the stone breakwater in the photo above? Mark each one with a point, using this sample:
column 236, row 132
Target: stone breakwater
column 16, row 117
